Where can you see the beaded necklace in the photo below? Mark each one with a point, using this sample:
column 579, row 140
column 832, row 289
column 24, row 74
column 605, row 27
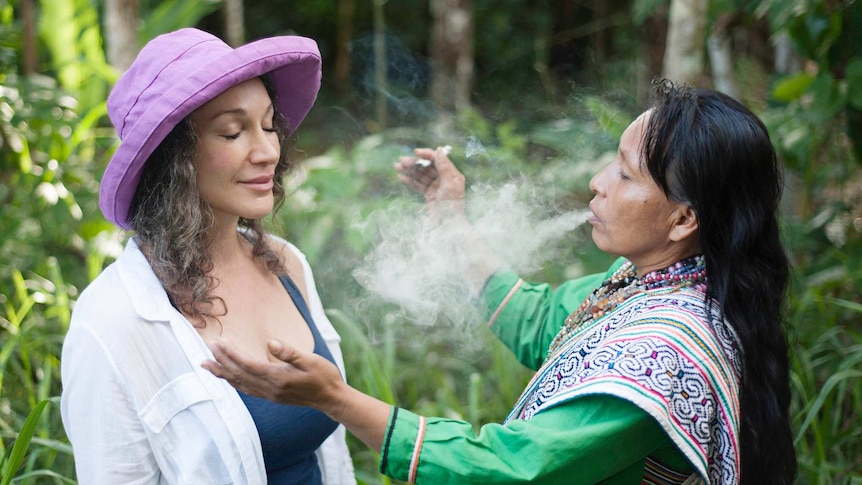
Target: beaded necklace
column 624, row 284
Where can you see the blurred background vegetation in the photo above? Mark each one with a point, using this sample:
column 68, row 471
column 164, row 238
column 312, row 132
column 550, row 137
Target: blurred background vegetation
column 523, row 90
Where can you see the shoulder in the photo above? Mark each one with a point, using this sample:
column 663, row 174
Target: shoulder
column 106, row 326
column 122, row 295
column 294, row 261
column 106, row 297
column 683, row 309
column 681, row 301
column 683, row 319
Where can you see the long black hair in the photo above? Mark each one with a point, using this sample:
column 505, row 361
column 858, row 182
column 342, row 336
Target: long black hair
column 707, row 149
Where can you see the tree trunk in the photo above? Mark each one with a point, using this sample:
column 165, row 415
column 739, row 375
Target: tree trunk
column 652, row 35
column 234, row 22
column 786, row 59
column 28, row 21
column 344, row 32
column 721, row 56
column 121, row 32
column 381, row 86
column 683, row 56
column 601, row 15
column 452, row 53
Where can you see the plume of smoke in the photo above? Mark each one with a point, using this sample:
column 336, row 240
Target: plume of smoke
column 415, row 264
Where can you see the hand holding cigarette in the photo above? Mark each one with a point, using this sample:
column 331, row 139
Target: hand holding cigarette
column 424, row 162
column 433, row 175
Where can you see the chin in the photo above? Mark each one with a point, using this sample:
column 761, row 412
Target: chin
column 597, row 240
column 602, row 244
column 257, row 213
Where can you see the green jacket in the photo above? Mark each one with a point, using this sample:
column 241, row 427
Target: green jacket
column 591, row 439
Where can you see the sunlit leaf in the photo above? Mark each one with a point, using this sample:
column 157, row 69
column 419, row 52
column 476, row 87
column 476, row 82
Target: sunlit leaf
column 792, row 87
column 22, row 443
column 171, row 15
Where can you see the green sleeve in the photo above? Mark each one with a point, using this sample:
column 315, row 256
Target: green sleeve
column 586, row 440
column 527, row 316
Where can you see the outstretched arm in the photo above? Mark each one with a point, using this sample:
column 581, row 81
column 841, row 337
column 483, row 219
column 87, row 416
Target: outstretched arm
column 444, row 187
column 592, row 438
column 303, row 379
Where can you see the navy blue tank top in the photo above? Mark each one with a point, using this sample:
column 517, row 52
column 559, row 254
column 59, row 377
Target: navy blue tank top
column 289, row 435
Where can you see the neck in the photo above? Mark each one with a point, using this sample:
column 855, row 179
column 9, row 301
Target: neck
column 685, row 272
column 225, row 242
column 664, row 258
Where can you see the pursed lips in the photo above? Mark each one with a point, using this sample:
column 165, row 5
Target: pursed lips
column 594, row 219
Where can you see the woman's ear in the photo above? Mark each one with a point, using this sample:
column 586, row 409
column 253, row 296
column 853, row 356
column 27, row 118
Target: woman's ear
column 684, row 223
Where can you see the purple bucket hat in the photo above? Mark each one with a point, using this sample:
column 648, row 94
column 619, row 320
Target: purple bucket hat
column 178, row 72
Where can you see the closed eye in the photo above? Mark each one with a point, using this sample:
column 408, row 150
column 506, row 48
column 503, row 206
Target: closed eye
column 231, row 137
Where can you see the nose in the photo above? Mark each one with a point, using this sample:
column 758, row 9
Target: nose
column 595, row 182
column 266, row 147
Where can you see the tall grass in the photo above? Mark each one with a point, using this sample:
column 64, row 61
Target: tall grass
column 34, row 448
column 420, row 370
column 826, row 379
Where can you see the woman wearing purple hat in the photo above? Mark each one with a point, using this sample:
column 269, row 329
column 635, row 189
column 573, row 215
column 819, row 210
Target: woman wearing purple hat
column 203, row 130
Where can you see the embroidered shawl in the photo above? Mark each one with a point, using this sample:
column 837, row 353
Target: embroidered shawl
column 659, row 351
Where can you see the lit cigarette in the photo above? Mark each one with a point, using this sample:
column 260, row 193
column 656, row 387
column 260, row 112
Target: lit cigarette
column 424, row 162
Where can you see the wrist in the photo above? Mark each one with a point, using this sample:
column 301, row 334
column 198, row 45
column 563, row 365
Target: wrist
column 338, row 405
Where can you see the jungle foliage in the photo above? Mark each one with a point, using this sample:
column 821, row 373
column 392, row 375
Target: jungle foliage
column 549, row 131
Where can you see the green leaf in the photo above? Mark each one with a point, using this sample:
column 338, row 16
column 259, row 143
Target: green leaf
column 817, row 405
column 853, row 76
column 827, row 99
column 22, row 443
column 612, row 120
column 171, row 15
column 316, row 237
column 792, row 87
column 850, row 305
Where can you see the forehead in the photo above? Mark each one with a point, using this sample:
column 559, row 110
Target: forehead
column 244, row 96
column 630, row 142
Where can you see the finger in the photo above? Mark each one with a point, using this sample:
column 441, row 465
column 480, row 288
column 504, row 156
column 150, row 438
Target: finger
column 443, row 164
column 285, row 353
column 423, row 152
column 414, row 168
column 233, row 364
column 408, row 164
column 214, row 367
column 404, row 163
column 418, row 180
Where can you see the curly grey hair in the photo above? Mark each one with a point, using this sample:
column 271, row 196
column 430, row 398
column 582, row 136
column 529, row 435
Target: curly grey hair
column 171, row 220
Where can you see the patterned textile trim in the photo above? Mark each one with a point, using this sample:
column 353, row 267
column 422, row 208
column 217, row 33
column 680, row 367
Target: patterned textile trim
column 505, row 301
column 384, row 461
column 417, row 448
column 656, row 473
column 659, row 351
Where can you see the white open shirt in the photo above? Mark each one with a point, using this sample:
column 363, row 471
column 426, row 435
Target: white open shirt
column 136, row 404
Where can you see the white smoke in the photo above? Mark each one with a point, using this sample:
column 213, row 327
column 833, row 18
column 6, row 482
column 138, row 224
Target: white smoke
column 413, row 264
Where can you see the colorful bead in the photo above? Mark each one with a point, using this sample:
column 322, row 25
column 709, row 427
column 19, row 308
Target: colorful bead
column 623, row 284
